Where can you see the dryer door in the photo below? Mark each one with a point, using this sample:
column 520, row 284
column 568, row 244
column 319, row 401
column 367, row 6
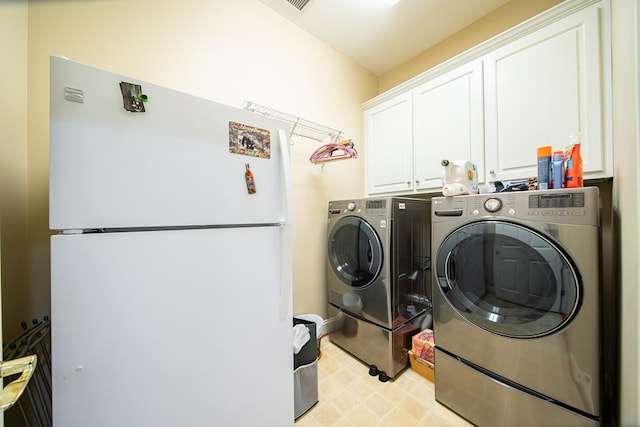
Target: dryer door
column 355, row 251
column 508, row 279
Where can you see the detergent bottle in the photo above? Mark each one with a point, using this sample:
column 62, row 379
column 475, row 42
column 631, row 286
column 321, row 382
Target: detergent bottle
column 573, row 162
column 544, row 167
column 557, row 167
column 459, row 177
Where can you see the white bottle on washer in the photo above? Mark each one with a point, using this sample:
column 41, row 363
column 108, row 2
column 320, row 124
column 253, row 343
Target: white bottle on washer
column 459, row 177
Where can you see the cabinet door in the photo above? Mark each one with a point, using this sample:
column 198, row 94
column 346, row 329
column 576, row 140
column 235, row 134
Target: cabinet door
column 389, row 152
column 448, row 123
column 540, row 89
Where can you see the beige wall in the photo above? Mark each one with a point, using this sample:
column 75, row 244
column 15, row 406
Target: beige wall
column 626, row 139
column 17, row 293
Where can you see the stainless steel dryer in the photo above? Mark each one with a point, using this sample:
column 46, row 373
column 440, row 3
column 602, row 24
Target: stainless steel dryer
column 378, row 277
column 517, row 289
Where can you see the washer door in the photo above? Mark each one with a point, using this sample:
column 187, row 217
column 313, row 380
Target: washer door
column 355, row 251
column 508, row 279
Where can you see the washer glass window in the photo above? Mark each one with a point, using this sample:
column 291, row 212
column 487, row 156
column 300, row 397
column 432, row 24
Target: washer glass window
column 507, row 279
column 355, row 251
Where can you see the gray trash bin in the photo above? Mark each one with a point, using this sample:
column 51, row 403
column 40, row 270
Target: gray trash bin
column 305, row 371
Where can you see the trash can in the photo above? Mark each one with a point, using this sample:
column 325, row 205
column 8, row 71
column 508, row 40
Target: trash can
column 305, row 371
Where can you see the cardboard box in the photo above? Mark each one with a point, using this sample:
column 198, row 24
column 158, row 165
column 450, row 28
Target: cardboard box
column 421, row 366
column 423, row 345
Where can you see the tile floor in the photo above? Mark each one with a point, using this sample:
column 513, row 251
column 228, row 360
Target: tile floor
column 350, row 397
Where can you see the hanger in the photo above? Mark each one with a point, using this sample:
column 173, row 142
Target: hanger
column 334, row 151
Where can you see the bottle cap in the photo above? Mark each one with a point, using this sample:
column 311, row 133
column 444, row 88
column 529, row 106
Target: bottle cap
column 544, row 151
column 575, row 138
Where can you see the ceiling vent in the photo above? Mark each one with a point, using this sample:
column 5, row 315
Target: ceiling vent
column 298, row 4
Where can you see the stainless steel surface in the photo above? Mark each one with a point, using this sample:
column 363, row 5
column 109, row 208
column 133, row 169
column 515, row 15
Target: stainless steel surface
column 523, row 301
column 486, row 402
column 378, row 273
column 374, row 345
column 379, row 257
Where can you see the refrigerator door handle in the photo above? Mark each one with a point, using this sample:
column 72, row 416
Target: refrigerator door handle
column 286, row 229
column 286, row 213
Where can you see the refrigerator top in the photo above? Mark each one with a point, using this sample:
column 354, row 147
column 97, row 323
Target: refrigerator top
column 125, row 153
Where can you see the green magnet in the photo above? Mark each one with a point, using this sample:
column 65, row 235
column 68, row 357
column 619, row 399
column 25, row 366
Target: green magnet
column 142, row 97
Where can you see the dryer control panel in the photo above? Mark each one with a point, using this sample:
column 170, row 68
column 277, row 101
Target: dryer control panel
column 567, row 206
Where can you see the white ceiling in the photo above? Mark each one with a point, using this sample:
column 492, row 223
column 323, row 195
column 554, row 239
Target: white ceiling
column 380, row 37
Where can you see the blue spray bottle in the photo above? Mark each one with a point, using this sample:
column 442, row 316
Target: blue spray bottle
column 557, row 168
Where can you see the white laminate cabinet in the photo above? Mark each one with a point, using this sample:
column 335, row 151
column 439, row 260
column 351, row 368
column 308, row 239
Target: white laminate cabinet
column 389, row 146
column 409, row 135
column 448, row 123
column 541, row 88
column 497, row 103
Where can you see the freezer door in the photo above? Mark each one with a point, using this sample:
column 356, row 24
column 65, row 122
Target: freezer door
column 181, row 162
column 170, row 328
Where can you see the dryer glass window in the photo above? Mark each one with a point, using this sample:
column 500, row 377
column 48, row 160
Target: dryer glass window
column 507, row 279
column 355, row 251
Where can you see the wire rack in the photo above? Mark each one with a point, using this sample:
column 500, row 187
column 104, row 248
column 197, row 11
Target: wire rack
column 35, row 404
column 299, row 127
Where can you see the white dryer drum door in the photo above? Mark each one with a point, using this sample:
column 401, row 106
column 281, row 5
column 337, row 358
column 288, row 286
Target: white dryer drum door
column 355, row 252
column 508, row 279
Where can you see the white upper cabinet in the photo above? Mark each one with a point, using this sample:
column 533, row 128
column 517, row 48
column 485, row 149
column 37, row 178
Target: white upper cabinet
column 389, row 146
column 540, row 89
column 447, row 123
column 495, row 104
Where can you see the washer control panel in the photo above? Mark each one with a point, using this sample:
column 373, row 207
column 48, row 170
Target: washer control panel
column 343, row 207
column 382, row 207
column 375, row 207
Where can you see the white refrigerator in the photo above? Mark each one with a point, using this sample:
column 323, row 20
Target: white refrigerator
column 170, row 262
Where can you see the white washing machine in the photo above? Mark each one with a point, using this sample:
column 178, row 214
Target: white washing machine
column 517, row 314
column 378, row 277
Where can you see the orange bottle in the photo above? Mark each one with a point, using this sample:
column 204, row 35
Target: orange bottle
column 248, row 176
column 544, row 167
column 573, row 162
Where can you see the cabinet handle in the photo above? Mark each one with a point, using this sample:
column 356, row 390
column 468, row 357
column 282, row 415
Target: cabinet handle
column 492, row 172
column 417, row 182
column 408, row 182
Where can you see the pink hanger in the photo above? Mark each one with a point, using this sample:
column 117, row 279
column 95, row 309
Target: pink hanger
column 334, row 151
